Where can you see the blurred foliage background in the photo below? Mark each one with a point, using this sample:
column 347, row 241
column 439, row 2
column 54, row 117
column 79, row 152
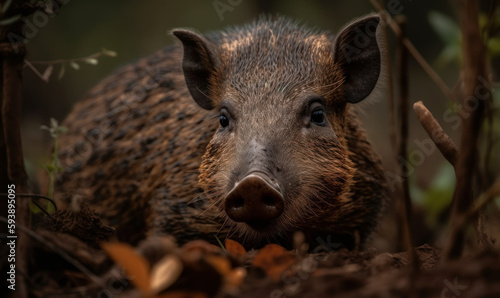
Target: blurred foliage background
column 135, row 28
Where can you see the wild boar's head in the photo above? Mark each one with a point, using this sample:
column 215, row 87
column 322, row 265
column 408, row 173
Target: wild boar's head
column 280, row 160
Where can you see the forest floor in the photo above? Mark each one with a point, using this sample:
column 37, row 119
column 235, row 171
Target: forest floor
column 73, row 262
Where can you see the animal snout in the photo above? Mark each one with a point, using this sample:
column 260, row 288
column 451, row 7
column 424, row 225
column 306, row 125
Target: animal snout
column 254, row 201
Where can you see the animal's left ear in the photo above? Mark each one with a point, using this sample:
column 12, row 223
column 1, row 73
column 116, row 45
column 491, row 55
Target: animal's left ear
column 357, row 51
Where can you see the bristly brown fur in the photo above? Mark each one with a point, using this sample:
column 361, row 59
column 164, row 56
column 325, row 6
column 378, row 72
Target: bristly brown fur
column 142, row 153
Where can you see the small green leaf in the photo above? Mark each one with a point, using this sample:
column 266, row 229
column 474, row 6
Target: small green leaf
column 61, row 71
column 494, row 46
column 10, row 20
column 49, row 168
column 449, row 31
column 440, row 192
column 44, row 127
column 47, row 73
column 92, row 61
column 34, row 209
column 496, row 97
column 6, row 5
column 108, row 52
column 445, row 27
column 53, row 123
column 74, row 65
column 50, row 208
column 220, row 243
column 451, row 53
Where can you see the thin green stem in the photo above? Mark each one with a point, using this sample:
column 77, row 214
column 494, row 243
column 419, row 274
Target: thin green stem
column 53, row 170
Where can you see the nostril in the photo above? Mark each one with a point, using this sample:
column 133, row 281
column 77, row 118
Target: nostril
column 238, row 203
column 269, row 201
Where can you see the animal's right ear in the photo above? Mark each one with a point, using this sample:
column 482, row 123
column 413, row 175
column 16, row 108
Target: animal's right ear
column 200, row 65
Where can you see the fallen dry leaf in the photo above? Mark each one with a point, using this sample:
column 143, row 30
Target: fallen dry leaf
column 274, row 260
column 136, row 267
column 234, row 248
column 202, row 246
column 221, row 264
column 165, row 273
column 236, row 277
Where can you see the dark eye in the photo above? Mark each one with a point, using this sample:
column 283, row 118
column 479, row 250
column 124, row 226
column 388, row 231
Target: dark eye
column 223, row 120
column 318, row 117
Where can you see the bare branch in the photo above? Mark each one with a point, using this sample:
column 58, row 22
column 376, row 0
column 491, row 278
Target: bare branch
column 443, row 142
column 474, row 67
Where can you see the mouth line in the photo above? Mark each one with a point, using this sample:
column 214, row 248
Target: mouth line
column 259, row 226
column 270, row 228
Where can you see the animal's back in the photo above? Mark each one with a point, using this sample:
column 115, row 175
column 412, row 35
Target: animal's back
column 136, row 138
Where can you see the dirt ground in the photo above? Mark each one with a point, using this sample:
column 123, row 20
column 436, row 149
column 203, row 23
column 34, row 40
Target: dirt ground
column 77, row 258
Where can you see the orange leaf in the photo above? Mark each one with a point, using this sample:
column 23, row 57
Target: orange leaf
column 236, row 277
column 202, row 246
column 274, row 260
column 234, row 248
column 222, row 265
column 136, row 267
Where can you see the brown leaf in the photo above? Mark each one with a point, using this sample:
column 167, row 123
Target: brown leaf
column 202, row 246
column 236, row 277
column 274, row 260
column 136, row 267
column 222, row 265
column 165, row 273
column 234, row 248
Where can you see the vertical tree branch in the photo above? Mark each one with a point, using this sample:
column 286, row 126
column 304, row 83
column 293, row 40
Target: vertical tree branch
column 403, row 111
column 4, row 176
column 474, row 68
column 488, row 174
column 11, row 61
column 390, row 95
column 11, row 117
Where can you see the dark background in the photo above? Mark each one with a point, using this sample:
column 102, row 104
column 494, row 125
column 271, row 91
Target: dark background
column 135, row 28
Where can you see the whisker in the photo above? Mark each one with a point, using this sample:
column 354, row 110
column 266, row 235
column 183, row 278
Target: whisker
column 208, row 208
column 197, row 199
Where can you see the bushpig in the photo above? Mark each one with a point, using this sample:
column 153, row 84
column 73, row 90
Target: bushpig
column 248, row 133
